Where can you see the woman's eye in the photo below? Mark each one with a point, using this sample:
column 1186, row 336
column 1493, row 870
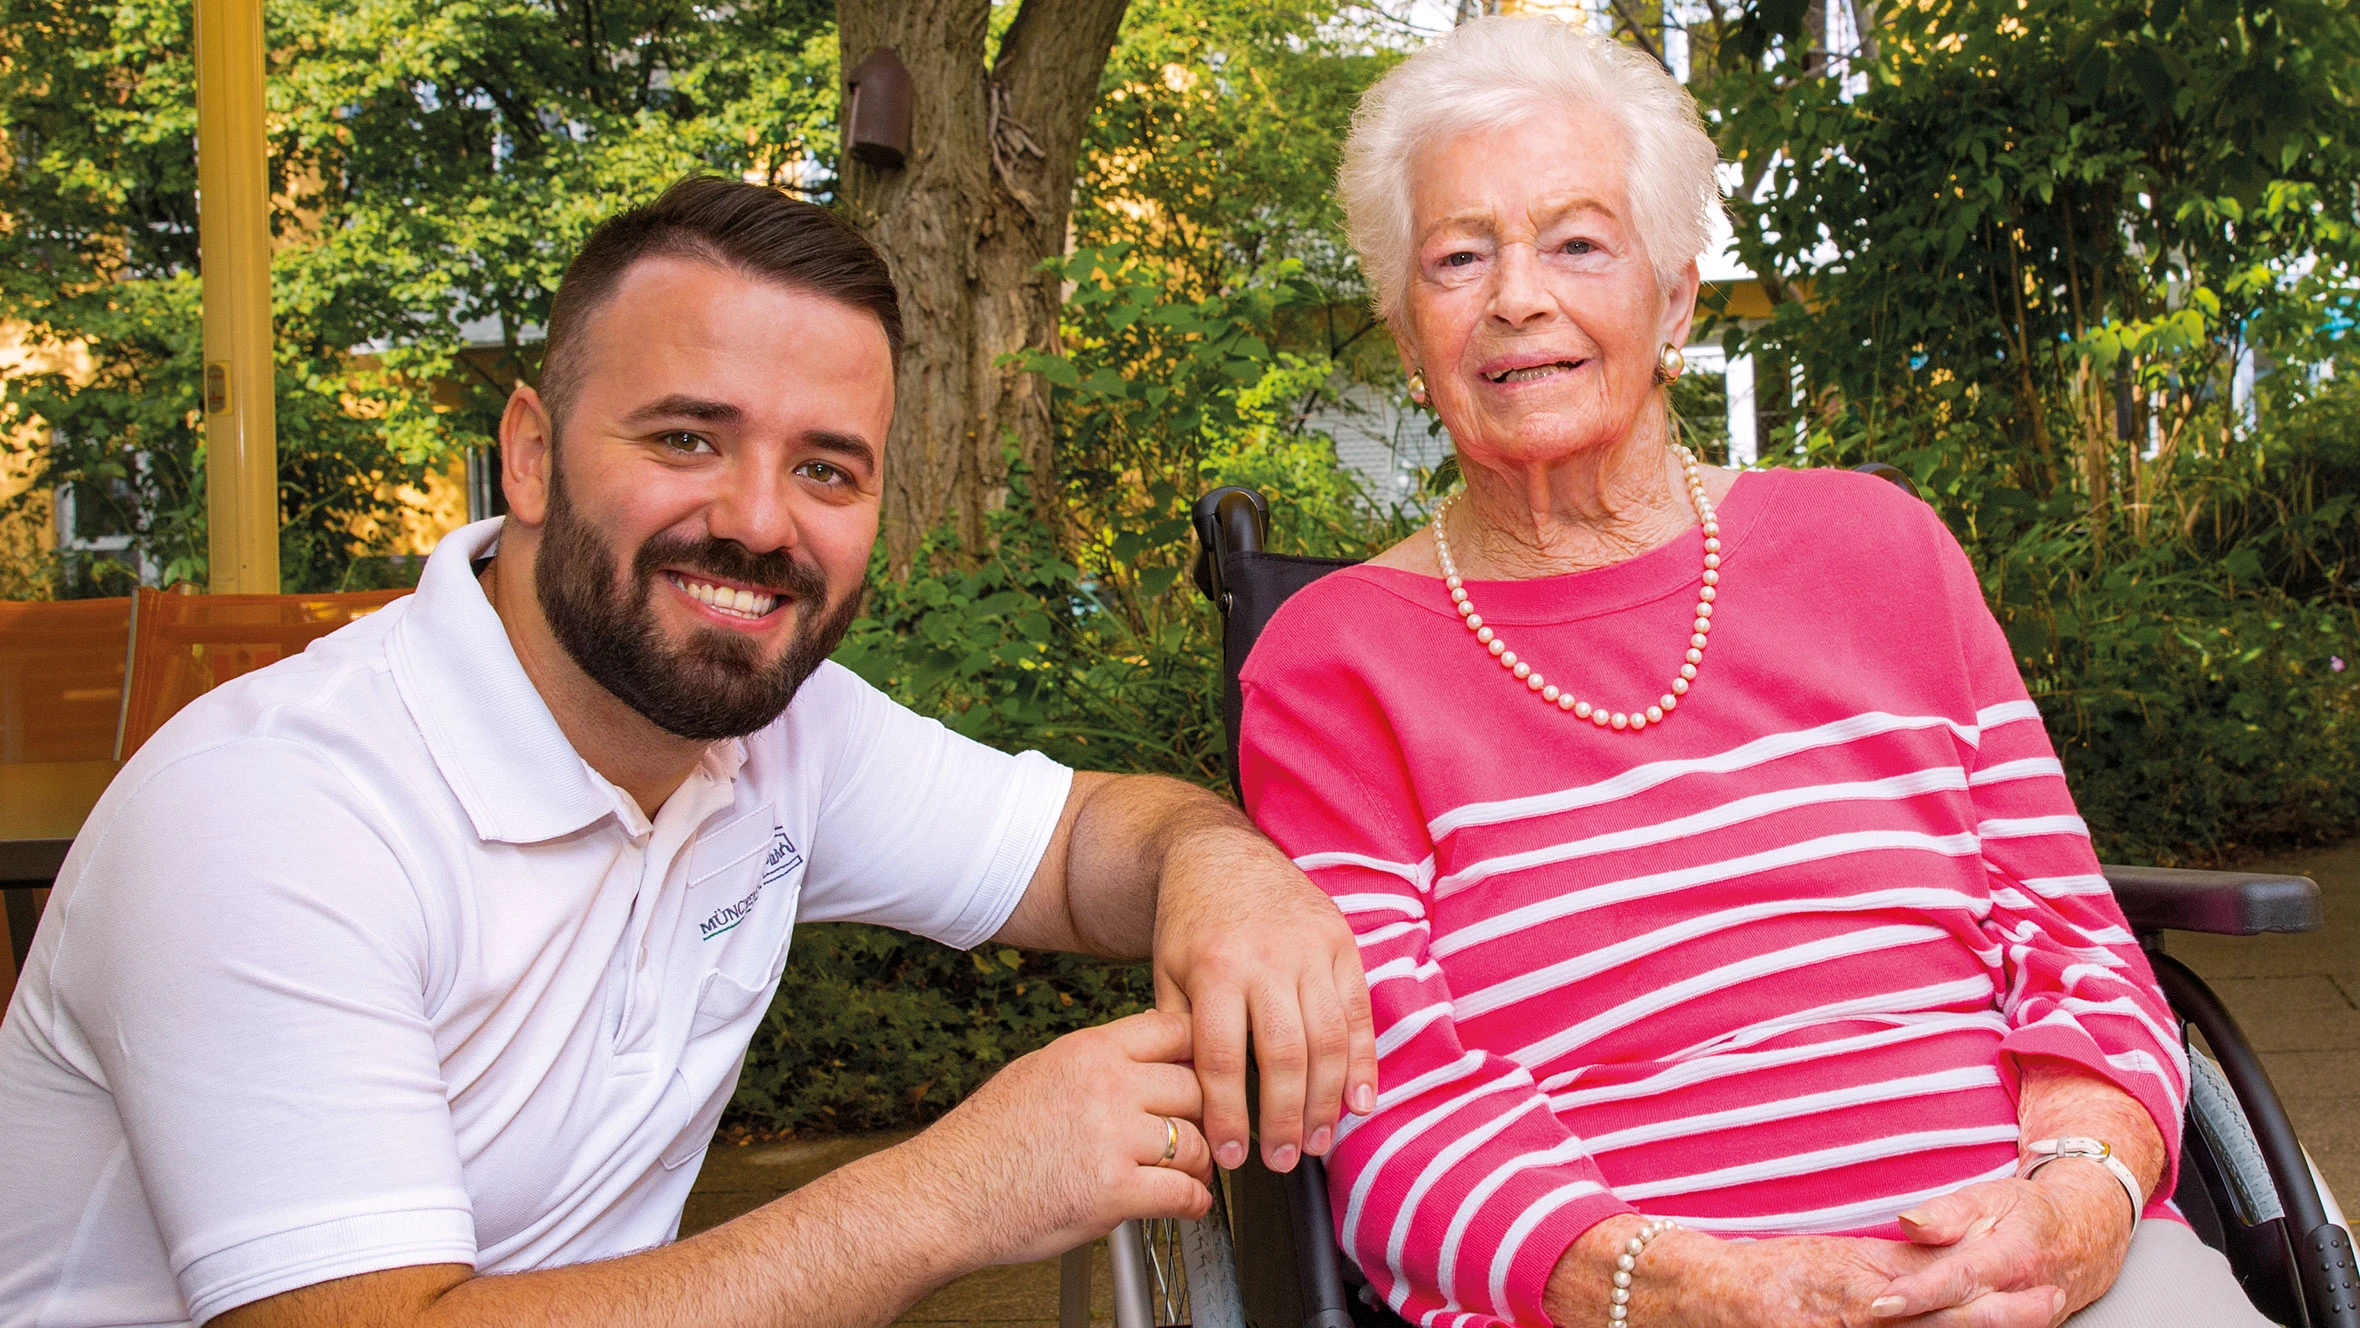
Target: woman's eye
column 681, row 440
column 1579, row 247
column 1459, row 259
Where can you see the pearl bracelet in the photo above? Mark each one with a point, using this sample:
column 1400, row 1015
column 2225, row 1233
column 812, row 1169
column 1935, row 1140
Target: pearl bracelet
column 1618, row 1313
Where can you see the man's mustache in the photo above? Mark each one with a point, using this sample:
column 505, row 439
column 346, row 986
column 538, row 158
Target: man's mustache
column 732, row 561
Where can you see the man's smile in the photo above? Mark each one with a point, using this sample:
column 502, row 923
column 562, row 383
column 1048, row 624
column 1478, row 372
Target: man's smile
column 734, row 601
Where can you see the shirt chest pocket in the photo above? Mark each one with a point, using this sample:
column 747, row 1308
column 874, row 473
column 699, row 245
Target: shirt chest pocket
column 742, row 892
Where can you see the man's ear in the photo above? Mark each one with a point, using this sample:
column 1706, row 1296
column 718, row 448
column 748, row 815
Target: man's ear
column 528, row 447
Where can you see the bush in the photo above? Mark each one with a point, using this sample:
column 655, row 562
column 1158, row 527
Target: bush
column 873, row 1028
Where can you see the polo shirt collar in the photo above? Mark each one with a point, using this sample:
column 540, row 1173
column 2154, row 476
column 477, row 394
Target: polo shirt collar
column 490, row 733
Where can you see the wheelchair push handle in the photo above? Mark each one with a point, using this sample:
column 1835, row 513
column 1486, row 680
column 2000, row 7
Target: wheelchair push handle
column 1230, row 519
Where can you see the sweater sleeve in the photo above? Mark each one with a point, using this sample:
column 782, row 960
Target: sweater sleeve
column 1459, row 1194
column 2074, row 985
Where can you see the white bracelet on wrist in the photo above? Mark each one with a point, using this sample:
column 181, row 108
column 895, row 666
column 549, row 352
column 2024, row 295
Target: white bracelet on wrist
column 2041, row 1152
column 1618, row 1309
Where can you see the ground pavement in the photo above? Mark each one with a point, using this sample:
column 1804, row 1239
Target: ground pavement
column 2298, row 998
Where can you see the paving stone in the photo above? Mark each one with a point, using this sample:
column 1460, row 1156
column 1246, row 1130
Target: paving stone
column 2319, row 1074
column 2330, row 1131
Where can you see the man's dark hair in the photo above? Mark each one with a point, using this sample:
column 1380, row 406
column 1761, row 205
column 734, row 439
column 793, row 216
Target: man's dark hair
column 743, row 227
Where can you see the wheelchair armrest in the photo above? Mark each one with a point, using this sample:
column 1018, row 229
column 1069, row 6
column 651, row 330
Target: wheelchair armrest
column 2222, row 903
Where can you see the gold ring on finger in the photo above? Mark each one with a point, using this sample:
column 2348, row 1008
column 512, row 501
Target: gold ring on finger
column 1171, row 1141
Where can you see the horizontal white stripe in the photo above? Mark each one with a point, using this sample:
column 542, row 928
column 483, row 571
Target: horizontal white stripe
column 1802, row 1104
column 1660, row 883
column 1418, row 874
column 1459, row 1071
column 2061, row 887
column 1512, row 1243
column 1819, row 1159
column 1434, row 1078
column 1916, row 783
column 1898, row 1007
column 1390, row 931
column 1445, row 1158
column 1406, row 966
column 2026, row 827
column 1407, row 1133
column 2006, row 712
column 1352, row 904
column 1525, row 986
column 2030, row 767
column 1409, row 1026
column 1447, row 1270
column 2139, row 1062
column 2168, row 1041
column 1640, row 778
column 1687, row 1074
column 1865, row 941
column 1842, row 1217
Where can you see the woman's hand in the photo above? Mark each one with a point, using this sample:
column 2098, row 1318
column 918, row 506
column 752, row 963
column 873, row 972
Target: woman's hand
column 1698, row 1281
column 2065, row 1231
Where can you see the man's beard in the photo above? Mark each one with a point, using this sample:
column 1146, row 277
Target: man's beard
column 712, row 687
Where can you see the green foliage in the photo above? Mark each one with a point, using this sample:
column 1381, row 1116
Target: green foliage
column 2021, row 264
column 433, row 165
column 873, row 1029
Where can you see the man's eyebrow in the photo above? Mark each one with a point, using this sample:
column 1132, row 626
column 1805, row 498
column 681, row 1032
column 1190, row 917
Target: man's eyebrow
column 843, row 444
column 680, row 405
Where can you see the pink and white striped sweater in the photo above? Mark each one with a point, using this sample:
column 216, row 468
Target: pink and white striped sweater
column 1762, row 969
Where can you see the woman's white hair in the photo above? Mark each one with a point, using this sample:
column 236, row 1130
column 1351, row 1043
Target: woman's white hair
column 1496, row 72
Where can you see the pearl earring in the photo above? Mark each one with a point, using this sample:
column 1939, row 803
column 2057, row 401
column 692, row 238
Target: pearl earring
column 1417, row 386
column 1670, row 364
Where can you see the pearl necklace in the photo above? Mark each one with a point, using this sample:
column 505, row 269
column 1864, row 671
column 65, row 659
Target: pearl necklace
column 1621, row 721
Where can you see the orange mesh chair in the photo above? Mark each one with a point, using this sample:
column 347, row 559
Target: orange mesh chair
column 183, row 646
column 61, row 679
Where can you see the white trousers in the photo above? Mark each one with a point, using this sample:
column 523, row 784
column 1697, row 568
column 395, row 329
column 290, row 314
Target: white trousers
column 2171, row 1277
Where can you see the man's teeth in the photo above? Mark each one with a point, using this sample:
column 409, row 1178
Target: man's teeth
column 728, row 599
column 1536, row 371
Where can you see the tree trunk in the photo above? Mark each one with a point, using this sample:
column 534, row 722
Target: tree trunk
column 965, row 223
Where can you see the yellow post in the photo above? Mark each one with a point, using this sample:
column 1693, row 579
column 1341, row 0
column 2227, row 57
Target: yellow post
column 233, row 237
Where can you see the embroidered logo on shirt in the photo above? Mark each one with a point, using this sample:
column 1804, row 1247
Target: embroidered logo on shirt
column 781, row 859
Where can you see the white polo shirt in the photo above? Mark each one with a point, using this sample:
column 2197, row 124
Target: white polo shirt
column 357, row 965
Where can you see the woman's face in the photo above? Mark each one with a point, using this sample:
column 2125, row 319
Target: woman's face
column 1534, row 310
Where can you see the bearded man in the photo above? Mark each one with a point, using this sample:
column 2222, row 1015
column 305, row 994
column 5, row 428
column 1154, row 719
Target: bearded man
column 403, row 982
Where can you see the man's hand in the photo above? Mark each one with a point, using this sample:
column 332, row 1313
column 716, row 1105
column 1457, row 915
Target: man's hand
column 1053, row 1151
column 1242, row 942
column 1243, row 939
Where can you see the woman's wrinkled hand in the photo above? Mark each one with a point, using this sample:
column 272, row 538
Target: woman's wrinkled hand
column 1700, row 1281
column 2063, row 1235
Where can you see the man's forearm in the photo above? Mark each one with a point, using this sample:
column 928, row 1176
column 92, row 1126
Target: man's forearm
column 1125, row 832
column 855, row 1247
column 851, row 1249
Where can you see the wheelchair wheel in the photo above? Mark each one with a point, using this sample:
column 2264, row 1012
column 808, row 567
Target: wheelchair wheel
column 1177, row 1274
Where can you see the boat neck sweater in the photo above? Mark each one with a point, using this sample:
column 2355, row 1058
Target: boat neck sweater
column 1766, row 968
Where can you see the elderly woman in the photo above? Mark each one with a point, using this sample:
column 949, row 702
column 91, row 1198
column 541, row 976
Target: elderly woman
column 1737, row 955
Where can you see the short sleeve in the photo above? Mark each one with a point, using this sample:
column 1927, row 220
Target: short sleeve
column 920, row 829
column 251, row 990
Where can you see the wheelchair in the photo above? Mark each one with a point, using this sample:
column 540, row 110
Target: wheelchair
column 1267, row 1256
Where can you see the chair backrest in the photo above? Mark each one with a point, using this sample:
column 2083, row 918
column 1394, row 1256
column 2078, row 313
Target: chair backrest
column 184, row 646
column 61, row 678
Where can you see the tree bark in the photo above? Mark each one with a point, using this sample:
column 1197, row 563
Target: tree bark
column 965, row 223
